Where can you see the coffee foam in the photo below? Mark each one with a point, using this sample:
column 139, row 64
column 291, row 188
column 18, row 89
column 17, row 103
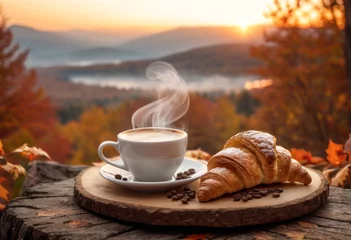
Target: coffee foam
column 151, row 135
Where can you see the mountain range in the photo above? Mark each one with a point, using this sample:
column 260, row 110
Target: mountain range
column 88, row 47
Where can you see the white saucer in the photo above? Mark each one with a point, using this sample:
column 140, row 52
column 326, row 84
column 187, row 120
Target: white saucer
column 108, row 172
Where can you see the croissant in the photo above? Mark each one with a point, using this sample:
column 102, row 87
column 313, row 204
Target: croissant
column 248, row 159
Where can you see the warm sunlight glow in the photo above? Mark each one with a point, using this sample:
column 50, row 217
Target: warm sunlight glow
column 116, row 14
column 243, row 26
column 258, row 84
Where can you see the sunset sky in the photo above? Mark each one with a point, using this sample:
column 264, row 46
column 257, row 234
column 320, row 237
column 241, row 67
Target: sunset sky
column 117, row 14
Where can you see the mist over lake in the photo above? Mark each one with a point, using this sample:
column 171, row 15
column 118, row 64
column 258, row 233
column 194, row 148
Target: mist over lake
column 194, row 83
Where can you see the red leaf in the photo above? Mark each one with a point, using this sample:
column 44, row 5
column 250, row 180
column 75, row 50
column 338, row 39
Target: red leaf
column 197, row 237
column 3, row 192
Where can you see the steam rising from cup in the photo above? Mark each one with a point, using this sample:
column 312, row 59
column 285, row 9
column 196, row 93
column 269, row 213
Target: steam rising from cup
column 173, row 98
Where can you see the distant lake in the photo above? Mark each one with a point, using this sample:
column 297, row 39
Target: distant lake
column 195, row 83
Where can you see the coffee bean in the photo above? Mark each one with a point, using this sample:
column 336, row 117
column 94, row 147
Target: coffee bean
column 276, row 195
column 238, row 195
column 255, row 190
column 174, row 191
column 187, row 197
column 191, row 170
column 118, row 176
column 257, row 195
column 179, row 174
column 180, row 195
column 192, row 195
column 249, row 191
column 185, row 201
column 169, row 194
column 244, row 199
column 237, row 198
column 269, row 190
column 125, row 179
column 280, row 190
column 263, row 193
column 249, row 197
column 174, row 197
column 186, row 173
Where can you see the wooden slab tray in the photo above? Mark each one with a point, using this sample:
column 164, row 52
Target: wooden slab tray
column 98, row 195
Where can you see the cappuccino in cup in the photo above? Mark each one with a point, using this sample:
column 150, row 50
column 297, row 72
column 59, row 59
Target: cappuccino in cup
column 151, row 135
column 149, row 154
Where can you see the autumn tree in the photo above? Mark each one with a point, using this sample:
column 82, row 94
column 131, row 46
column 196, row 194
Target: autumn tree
column 26, row 114
column 303, row 55
column 347, row 6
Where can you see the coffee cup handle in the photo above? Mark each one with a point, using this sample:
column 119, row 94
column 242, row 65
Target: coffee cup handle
column 119, row 163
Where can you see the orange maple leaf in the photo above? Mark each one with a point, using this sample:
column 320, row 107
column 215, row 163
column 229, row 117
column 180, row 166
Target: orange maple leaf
column 2, row 152
column 31, row 153
column 3, row 192
column 14, row 169
column 301, row 155
column 335, row 153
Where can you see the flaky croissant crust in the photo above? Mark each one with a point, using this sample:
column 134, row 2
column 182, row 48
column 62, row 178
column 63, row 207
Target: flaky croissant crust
column 248, row 159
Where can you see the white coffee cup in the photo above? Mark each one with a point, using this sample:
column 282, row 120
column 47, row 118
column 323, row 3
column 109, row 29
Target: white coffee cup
column 149, row 154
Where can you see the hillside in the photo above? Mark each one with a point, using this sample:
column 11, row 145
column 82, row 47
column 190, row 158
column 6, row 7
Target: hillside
column 185, row 38
column 78, row 47
column 225, row 59
column 49, row 48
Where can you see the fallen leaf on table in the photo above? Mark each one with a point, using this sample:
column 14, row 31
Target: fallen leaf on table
column 198, row 154
column 2, row 152
column 14, row 169
column 301, row 155
column 342, row 178
column 305, row 157
column 329, row 174
column 197, row 237
column 3, row 192
column 335, row 153
column 307, row 224
column 77, row 223
column 2, row 207
column 295, row 235
column 47, row 213
column 31, row 153
column 262, row 236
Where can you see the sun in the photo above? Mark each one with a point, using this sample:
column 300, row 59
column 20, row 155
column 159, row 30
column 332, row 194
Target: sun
column 243, row 26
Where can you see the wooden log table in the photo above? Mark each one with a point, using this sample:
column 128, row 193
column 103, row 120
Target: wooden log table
column 48, row 211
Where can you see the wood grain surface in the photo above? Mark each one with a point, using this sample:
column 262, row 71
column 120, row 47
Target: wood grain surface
column 48, row 211
column 98, row 195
